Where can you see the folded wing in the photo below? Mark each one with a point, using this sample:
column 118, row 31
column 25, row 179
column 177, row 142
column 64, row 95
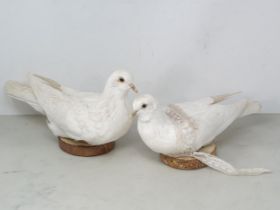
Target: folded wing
column 210, row 117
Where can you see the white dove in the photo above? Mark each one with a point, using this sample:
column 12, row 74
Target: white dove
column 182, row 129
column 96, row 118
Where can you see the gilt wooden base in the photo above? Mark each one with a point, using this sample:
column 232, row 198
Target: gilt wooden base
column 82, row 148
column 188, row 162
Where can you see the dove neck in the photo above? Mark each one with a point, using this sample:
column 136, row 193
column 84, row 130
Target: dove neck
column 114, row 92
column 146, row 117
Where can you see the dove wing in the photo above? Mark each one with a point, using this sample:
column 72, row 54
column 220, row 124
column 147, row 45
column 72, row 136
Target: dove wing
column 64, row 89
column 207, row 118
column 186, row 127
column 51, row 97
column 76, row 114
column 214, row 99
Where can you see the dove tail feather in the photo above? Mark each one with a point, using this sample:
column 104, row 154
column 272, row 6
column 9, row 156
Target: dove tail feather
column 47, row 81
column 226, row 168
column 22, row 92
column 252, row 171
column 220, row 98
column 251, row 108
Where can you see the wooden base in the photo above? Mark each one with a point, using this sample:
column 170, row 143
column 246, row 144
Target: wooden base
column 188, row 162
column 82, row 148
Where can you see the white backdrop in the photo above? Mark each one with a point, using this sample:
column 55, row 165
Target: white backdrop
column 177, row 49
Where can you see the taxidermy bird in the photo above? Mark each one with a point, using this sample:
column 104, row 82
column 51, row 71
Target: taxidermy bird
column 181, row 129
column 96, row 118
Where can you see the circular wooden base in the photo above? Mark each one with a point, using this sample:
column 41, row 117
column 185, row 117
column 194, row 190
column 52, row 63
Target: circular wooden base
column 82, row 148
column 188, row 162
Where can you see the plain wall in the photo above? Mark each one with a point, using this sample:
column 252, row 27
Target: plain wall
column 176, row 50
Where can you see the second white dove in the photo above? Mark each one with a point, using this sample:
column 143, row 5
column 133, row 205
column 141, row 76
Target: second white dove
column 182, row 129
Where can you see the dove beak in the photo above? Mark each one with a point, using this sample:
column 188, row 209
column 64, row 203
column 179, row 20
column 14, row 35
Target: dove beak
column 132, row 86
column 134, row 113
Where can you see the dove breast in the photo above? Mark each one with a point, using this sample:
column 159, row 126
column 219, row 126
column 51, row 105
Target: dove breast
column 159, row 133
column 95, row 121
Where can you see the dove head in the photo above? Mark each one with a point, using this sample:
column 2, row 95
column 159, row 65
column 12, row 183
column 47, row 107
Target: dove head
column 143, row 106
column 120, row 82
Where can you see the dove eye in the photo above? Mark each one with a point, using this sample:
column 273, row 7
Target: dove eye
column 144, row 106
column 121, row 79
